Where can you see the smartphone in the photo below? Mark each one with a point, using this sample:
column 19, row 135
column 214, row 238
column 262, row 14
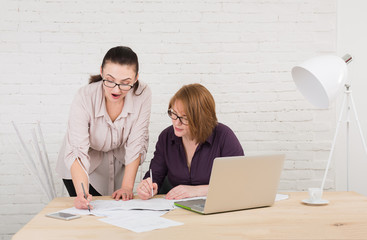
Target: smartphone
column 63, row 216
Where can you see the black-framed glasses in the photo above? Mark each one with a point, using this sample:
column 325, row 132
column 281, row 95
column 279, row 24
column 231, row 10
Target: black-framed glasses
column 174, row 116
column 121, row 86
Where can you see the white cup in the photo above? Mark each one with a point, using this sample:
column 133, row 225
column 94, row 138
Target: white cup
column 315, row 194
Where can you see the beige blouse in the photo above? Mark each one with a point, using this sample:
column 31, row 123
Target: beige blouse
column 103, row 146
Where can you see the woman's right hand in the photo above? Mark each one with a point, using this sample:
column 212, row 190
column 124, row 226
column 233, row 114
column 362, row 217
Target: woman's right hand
column 81, row 203
column 145, row 189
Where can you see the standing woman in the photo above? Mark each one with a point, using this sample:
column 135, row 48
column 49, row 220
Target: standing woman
column 107, row 134
column 186, row 150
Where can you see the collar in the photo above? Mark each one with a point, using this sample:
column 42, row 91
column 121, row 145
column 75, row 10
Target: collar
column 100, row 106
column 128, row 104
column 210, row 139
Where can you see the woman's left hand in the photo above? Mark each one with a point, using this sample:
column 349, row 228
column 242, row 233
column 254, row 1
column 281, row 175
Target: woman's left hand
column 187, row 191
column 124, row 193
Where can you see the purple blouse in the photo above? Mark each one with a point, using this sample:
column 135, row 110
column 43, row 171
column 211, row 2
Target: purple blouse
column 170, row 157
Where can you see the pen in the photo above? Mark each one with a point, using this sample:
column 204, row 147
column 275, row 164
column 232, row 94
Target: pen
column 151, row 176
column 85, row 196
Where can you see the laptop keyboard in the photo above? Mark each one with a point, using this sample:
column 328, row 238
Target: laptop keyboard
column 198, row 204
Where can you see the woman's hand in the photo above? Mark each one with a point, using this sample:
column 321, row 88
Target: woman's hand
column 145, row 189
column 187, row 191
column 81, row 203
column 125, row 193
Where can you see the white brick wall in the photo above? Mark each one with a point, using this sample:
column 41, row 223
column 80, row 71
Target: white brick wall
column 242, row 51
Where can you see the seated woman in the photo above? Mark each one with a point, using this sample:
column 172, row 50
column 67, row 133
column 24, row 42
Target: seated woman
column 186, row 150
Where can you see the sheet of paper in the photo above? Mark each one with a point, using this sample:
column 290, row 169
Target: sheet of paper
column 102, row 207
column 151, row 204
column 129, row 213
column 140, row 221
column 280, row 197
column 134, row 220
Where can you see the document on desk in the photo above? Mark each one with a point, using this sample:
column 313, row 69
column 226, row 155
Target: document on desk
column 280, row 197
column 103, row 207
column 135, row 215
column 139, row 221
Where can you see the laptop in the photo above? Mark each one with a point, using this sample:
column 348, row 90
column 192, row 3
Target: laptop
column 238, row 183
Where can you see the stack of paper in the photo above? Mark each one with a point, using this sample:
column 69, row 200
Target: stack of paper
column 136, row 215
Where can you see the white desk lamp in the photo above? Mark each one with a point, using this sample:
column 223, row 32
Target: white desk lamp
column 320, row 80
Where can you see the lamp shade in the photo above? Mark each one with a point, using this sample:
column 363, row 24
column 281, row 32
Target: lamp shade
column 320, row 79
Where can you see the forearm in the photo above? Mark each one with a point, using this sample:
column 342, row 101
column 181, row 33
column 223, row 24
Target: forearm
column 187, row 191
column 79, row 176
column 130, row 173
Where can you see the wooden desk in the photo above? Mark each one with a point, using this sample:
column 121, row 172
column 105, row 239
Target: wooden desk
column 344, row 218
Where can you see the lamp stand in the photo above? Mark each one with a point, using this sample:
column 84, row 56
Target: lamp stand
column 348, row 105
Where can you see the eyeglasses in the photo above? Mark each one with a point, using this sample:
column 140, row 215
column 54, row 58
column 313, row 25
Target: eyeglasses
column 174, row 116
column 122, row 87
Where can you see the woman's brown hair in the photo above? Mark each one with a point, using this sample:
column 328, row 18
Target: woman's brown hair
column 121, row 55
column 199, row 107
